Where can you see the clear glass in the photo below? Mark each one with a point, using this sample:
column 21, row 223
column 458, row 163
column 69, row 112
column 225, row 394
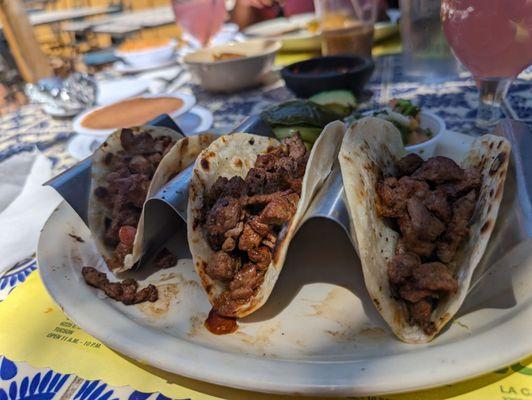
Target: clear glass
column 346, row 26
column 492, row 39
column 426, row 55
column 200, row 19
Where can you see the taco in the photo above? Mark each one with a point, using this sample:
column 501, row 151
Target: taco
column 131, row 165
column 247, row 197
column 421, row 226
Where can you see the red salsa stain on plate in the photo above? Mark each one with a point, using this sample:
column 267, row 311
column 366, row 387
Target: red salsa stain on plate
column 220, row 325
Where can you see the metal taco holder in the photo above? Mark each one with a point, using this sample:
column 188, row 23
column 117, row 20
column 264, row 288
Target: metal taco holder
column 165, row 212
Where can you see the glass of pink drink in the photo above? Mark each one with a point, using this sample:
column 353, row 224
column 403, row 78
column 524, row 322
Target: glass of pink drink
column 201, row 19
column 493, row 39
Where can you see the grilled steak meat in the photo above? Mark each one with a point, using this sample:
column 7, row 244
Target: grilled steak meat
column 126, row 188
column 242, row 219
column 126, row 291
column 431, row 204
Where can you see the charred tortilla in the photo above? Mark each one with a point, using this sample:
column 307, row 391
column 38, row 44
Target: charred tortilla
column 247, row 197
column 369, row 154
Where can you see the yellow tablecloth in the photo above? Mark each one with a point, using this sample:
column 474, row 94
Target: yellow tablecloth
column 34, row 329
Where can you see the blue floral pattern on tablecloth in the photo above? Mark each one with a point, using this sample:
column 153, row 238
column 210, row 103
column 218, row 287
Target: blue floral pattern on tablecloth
column 455, row 101
column 16, row 275
column 19, row 383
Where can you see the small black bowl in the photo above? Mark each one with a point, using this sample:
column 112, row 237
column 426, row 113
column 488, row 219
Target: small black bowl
column 306, row 78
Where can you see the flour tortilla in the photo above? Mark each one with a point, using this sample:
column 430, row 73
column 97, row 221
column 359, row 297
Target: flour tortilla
column 369, row 151
column 234, row 155
column 181, row 155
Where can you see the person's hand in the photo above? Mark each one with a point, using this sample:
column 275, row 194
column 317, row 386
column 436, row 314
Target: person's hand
column 257, row 3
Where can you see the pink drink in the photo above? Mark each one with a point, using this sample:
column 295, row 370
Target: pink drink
column 492, row 38
column 200, row 18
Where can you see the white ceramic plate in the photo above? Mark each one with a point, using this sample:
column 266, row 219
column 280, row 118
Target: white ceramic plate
column 196, row 120
column 301, row 40
column 188, row 103
column 318, row 334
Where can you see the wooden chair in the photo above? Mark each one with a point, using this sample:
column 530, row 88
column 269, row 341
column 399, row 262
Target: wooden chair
column 30, row 59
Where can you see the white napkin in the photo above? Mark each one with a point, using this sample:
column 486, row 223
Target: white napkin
column 24, row 205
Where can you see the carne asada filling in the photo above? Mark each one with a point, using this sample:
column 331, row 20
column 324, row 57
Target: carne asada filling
column 242, row 220
column 131, row 171
column 431, row 202
column 126, row 291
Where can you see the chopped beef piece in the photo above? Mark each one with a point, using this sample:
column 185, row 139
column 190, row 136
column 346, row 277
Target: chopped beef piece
column 286, row 166
column 302, row 165
column 280, row 210
column 261, row 256
column 265, row 198
column 400, row 267
column 458, row 227
column 439, row 170
column 222, row 266
column 126, row 291
column 420, row 313
column 410, row 240
column 235, row 232
column 224, row 215
column 116, row 161
column 394, row 193
column 137, row 144
column 437, row 202
column 266, row 161
column 413, row 294
column 296, row 147
column 231, row 237
column 119, row 254
column 425, row 226
column 155, row 158
column 261, row 228
column 249, row 239
column 246, row 280
column 165, row 259
column 408, row 164
column 229, row 244
column 472, row 180
column 434, row 276
column 138, row 189
column 270, row 240
column 162, row 145
column 234, row 187
column 141, row 165
column 117, row 181
column 260, row 181
column 294, row 184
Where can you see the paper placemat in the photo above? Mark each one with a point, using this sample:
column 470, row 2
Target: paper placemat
column 34, row 329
